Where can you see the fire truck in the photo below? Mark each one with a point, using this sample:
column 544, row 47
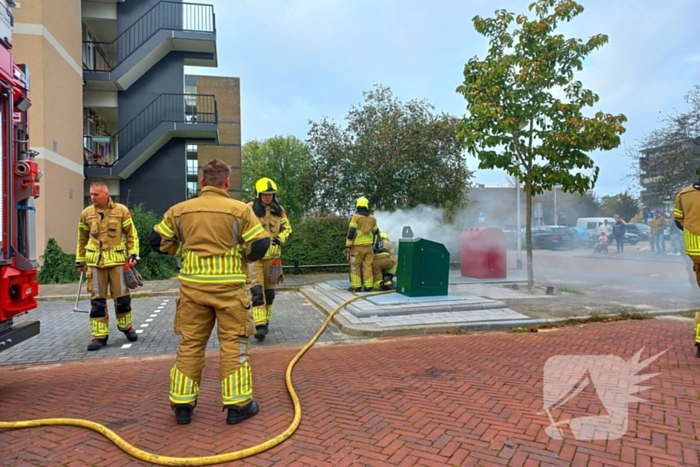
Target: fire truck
column 19, row 185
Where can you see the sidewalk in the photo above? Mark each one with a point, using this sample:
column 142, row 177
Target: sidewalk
column 171, row 287
column 441, row 400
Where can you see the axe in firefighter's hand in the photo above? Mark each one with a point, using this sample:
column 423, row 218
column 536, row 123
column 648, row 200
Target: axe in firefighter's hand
column 77, row 297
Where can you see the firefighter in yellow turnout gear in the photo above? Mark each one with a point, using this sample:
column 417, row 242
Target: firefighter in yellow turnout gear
column 107, row 240
column 266, row 273
column 384, row 264
column 686, row 215
column 362, row 234
column 211, row 233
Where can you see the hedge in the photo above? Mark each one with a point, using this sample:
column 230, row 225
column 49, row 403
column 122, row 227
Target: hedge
column 317, row 240
column 59, row 267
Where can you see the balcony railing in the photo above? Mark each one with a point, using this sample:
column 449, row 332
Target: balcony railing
column 172, row 16
column 167, row 108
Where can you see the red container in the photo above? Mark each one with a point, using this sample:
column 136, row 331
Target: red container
column 483, row 253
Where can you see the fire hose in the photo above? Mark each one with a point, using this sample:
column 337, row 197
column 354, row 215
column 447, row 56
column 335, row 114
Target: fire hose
column 207, row 460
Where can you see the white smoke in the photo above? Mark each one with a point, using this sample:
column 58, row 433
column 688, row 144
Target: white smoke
column 426, row 222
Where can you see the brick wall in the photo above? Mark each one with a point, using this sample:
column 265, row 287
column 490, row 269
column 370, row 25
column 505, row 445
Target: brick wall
column 228, row 99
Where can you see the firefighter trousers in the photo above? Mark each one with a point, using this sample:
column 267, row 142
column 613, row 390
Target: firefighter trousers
column 198, row 309
column 103, row 283
column 381, row 264
column 262, row 290
column 361, row 257
column 696, row 269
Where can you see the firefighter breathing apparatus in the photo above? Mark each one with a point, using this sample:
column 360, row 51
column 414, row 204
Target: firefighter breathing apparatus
column 207, row 460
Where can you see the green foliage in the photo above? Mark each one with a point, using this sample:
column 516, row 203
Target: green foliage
column 516, row 123
column 153, row 266
column 58, row 266
column 283, row 159
column 317, row 240
column 622, row 204
column 398, row 155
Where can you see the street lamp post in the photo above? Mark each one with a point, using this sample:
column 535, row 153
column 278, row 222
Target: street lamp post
column 519, row 261
column 556, row 218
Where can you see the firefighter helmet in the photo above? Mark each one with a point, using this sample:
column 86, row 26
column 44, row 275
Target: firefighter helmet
column 265, row 186
column 362, row 202
column 384, row 236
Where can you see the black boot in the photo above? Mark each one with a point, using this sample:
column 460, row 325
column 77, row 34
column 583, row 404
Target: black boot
column 131, row 335
column 698, row 350
column 238, row 414
column 260, row 332
column 97, row 344
column 183, row 413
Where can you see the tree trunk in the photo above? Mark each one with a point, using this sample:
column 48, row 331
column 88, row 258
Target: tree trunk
column 528, row 232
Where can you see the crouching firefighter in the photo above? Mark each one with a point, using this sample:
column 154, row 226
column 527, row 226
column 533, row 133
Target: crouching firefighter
column 266, row 273
column 107, row 240
column 361, row 236
column 384, row 264
column 686, row 215
column 210, row 234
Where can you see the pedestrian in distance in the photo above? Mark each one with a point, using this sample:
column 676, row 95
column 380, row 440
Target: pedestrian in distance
column 212, row 233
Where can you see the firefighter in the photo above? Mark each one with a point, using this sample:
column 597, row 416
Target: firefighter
column 266, row 273
column 211, row 233
column 384, row 264
column 362, row 234
column 686, row 215
column 107, row 240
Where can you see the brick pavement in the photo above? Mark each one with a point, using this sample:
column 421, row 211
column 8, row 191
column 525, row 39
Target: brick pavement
column 65, row 334
column 439, row 400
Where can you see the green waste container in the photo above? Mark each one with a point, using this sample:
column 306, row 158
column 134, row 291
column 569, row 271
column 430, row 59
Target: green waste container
column 423, row 268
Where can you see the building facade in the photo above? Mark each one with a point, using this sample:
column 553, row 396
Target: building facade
column 228, row 98
column 110, row 103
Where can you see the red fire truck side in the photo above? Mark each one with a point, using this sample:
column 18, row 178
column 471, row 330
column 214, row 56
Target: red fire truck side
column 19, row 177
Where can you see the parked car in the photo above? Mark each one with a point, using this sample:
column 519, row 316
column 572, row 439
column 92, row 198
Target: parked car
column 584, row 238
column 553, row 236
column 639, row 229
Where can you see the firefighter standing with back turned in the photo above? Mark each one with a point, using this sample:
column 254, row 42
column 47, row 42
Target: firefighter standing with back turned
column 107, row 240
column 211, row 233
column 362, row 234
column 264, row 274
column 686, row 215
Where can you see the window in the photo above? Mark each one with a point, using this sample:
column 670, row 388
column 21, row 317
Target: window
column 192, row 189
column 192, row 167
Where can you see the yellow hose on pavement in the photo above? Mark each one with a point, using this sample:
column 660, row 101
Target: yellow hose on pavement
column 208, row 460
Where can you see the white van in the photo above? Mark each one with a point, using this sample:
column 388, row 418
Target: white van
column 592, row 223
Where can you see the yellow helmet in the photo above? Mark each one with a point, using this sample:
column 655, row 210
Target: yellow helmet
column 265, row 185
column 384, row 236
column 362, row 202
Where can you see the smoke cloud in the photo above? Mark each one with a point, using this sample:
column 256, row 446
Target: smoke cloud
column 426, row 222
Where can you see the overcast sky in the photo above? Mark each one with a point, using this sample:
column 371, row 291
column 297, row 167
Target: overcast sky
column 301, row 60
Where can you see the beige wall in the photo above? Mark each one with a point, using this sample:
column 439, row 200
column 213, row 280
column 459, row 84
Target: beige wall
column 55, row 117
column 228, row 98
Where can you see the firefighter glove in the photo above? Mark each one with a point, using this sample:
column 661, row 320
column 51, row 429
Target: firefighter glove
column 276, row 241
column 132, row 278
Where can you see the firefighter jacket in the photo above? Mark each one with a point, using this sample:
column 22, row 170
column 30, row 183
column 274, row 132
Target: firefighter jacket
column 106, row 237
column 275, row 222
column 363, row 229
column 210, row 233
column 656, row 225
column 687, row 212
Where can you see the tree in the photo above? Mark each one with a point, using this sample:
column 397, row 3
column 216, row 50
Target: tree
column 398, row 155
column 516, row 123
column 284, row 159
column 622, row 204
column 668, row 158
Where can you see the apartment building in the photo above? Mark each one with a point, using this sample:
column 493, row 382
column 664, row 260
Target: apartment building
column 110, row 102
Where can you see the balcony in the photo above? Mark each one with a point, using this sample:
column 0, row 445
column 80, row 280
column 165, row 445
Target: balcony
column 189, row 28
column 193, row 117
